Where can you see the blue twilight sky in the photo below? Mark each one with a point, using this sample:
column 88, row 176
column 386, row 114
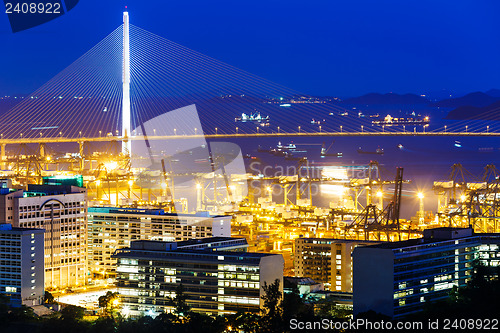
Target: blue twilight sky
column 322, row 47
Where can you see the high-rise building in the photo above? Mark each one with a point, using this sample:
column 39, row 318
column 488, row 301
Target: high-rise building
column 62, row 212
column 112, row 228
column 397, row 278
column 22, row 265
column 215, row 280
column 326, row 260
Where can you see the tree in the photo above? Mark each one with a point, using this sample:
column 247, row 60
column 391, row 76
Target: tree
column 48, row 298
column 179, row 301
column 109, row 302
column 72, row 313
column 294, row 305
column 272, row 319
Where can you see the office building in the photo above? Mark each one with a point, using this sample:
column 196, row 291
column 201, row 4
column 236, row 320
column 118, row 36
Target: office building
column 21, row 265
column 62, row 212
column 217, row 277
column 326, row 260
column 396, row 279
column 112, row 228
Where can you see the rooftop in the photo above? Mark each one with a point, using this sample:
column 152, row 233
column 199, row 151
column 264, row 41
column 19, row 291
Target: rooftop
column 436, row 236
column 146, row 211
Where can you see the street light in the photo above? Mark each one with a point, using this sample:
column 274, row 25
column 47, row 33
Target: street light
column 236, row 130
column 445, row 128
column 487, row 129
column 278, row 129
column 380, row 196
column 320, row 128
column 361, row 128
column 216, row 131
column 420, row 196
column 340, row 128
column 299, row 129
column 466, row 126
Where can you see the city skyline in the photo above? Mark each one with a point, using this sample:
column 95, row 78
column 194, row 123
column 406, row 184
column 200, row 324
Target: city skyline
column 321, row 49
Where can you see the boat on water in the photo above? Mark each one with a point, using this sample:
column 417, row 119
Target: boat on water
column 378, row 151
column 393, row 121
column 325, row 151
column 283, row 150
column 253, row 117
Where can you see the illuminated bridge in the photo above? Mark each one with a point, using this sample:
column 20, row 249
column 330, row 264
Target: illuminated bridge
column 133, row 76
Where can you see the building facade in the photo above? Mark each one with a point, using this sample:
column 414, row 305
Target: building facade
column 112, row 228
column 215, row 281
column 326, row 260
column 396, row 279
column 22, row 265
column 62, row 212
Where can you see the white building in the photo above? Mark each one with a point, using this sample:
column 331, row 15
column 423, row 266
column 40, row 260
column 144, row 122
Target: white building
column 22, row 265
column 62, row 212
column 112, row 228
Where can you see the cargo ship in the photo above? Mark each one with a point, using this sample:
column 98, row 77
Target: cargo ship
column 253, row 117
column 392, row 121
column 378, row 151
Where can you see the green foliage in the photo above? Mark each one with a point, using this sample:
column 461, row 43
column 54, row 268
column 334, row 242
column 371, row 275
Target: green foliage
column 179, row 301
column 48, row 298
column 272, row 319
column 294, row 305
column 108, row 302
column 72, row 313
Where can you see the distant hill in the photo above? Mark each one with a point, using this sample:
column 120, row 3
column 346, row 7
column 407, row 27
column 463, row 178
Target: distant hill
column 477, row 99
column 490, row 112
column 390, row 98
column 493, row 93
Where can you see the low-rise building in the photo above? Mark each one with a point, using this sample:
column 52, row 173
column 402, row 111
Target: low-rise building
column 22, row 265
column 62, row 211
column 215, row 280
column 112, row 228
column 396, row 279
column 326, row 260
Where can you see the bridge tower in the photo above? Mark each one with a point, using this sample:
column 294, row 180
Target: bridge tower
column 126, row 144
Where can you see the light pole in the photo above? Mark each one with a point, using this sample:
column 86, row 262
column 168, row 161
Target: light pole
column 340, row 128
column 299, row 129
column 420, row 196
column 445, row 128
column 361, row 128
column 97, row 183
column 488, row 129
column 380, row 196
column 466, row 127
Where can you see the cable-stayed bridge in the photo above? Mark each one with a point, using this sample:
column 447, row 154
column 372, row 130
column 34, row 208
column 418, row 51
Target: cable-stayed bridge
column 133, row 76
